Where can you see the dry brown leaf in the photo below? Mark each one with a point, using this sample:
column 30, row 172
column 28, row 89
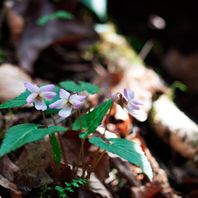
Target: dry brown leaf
column 15, row 23
column 147, row 191
column 97, row 187
column 11, row 81
column 119, row 121
column 11, row 186
column 33, row 163
column 8, row 168
column 124, row 170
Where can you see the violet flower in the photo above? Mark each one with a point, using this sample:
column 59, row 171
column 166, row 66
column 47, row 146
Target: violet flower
column 67, row 103
column 39, row 95
column 131, row 105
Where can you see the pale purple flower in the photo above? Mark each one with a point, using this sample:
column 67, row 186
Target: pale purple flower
column 39, row 95
column 67, row 103
column 131, row 105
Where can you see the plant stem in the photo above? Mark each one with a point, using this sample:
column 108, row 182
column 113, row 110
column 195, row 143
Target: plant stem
column 95, row 164
column 44, row 119
column 61, row 143
column 49, row 151
column 81, row 153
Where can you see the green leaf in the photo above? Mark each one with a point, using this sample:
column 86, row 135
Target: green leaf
column 61, row 14
column 90, row 121
column 61, row 191
column 22, row 134
column 55, row 148
column 128, row 150
column 179, row 85
column 79, row 87
column 16, row 102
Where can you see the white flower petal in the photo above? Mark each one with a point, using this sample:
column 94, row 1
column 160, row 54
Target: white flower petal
column 129, row 94
column 31, row 87
column 59, row 104
column 64, row 94
column 77, row 104
column 133, row 113
column 48, row 95
column 77, row 101
column 131, row 106
column 31, row 97
column 49, row 87
column 65, row 112
column 137, row 102
column 77, row 97
column 40, row 105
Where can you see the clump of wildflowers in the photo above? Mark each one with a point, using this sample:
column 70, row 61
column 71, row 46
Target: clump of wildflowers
column 86, row 124
column 128, row 101
column 39, row 95
column 67, row 103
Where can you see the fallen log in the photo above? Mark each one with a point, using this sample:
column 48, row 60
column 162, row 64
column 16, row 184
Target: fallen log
column 174, row 127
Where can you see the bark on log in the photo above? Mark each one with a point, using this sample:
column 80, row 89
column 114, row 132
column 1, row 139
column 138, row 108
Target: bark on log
column 174, row 127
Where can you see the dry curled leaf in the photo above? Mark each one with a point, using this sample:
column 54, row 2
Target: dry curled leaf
column 10, row 186
column 11, row 81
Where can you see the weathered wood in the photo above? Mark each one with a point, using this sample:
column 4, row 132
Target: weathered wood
column 174, row 127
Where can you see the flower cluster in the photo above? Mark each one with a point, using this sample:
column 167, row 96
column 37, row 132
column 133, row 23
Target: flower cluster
column 66, row 103
column 127, row 102
column 70, row 102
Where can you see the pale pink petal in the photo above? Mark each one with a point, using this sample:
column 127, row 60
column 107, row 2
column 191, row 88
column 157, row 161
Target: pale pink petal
column 77, row 104
column 31, row 87
column 129, row 94
column 133, row 113
column 59, row 104
column 49, row 87
column 75, row 97
column 136, row 102
column 132, row 106
column 31, row 97
column 48, row 95
column 77, row 101
column 40, row 105
column 64, row 94
column 65, row 112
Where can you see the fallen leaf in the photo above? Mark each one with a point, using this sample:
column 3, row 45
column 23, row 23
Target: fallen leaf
column 147, row 191
column 35, row 170
column 97, row 187
column 11, row 81
column 11, row 186
column 8, row 168
column 15, row 23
